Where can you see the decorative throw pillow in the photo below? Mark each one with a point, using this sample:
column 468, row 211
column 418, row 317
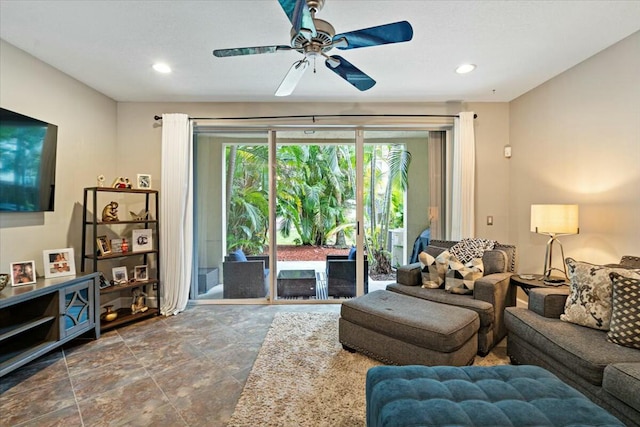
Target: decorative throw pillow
column 461, row 277
column 590, row 293
column 625, row 317
column 467, row 249
column 434, row 269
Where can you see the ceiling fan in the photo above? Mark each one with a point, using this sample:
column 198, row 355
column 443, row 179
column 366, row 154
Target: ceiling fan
column 314, row 37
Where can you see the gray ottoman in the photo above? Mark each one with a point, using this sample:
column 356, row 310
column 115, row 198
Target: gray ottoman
column 402, row 330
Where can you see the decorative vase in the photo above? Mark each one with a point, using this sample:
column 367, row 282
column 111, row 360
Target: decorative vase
column 110, row 314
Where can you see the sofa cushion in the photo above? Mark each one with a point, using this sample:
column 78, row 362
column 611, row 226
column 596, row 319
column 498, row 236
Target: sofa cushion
column 584, row 351
column 238, row 255
column 625, row 317
column 467, row 249
column 460, row 277
column 589, row 302
column 622, row 381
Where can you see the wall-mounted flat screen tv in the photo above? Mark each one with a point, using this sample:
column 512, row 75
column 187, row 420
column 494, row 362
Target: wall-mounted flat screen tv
column 27, row 163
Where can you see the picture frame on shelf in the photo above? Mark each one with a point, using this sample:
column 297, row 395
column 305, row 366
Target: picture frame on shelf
column 142, row 239
column 23, row 273
column 59, row 262
column 141, row 273
column 104, row 245
column 144, row 181
column 119, row 275
column 104, row 283
column 116, row 246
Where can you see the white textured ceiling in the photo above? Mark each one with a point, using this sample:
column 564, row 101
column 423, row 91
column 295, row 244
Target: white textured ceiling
column 111, row 45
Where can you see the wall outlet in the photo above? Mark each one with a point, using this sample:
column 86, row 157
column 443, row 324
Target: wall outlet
column 490, row 220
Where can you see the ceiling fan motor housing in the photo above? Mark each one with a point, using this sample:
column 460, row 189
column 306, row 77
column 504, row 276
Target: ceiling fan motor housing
column 322, row 42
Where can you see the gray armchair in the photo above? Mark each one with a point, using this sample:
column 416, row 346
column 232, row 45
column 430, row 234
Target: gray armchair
column 245, row 279
column 341, row 276
column 491, row 295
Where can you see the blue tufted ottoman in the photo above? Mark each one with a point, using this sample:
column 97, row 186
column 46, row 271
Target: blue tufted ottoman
column 476, row 396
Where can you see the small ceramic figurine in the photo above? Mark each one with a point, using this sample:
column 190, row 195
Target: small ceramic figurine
column 138, row 303
column 100, row 180
column 110, row 212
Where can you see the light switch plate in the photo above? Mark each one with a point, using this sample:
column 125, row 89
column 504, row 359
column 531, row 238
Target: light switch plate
column 507, row 151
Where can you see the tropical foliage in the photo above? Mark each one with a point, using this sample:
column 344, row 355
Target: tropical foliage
column 316, row 195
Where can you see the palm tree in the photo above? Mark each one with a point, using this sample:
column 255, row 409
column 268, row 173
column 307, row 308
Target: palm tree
column 389, row 170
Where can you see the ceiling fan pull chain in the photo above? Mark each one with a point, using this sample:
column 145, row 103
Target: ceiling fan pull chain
column 314, row 65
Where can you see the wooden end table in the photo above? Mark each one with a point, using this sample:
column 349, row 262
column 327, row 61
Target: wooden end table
column 527, row 282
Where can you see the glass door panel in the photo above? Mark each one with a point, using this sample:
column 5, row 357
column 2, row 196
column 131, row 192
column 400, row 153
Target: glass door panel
column 396, row 199
column 315, row 214
column 231, row 206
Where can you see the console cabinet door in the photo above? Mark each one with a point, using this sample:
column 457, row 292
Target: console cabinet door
column 77, row 309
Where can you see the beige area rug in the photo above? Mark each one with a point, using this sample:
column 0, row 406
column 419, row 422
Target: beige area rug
column 303, row 377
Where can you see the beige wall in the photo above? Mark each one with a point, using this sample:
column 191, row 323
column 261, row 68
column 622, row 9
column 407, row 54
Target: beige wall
column 86, row 139
column 576, row 139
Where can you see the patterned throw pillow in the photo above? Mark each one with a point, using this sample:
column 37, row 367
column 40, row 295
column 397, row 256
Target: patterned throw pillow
column 461, row 277
column 590, row 293
column 625, row 318
column 467, row 249
column 434, row 269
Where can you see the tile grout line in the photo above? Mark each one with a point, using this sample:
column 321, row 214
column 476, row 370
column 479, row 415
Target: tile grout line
column 73, row 389
column 153, row 378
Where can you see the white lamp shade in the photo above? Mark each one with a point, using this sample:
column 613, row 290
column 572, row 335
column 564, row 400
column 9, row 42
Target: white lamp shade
column 554, row 219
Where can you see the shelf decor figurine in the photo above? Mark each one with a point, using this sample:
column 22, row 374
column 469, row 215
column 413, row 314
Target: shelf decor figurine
column 138, row 304
column 121, row 182
column 100, row 180
column 142, row 216
column 110, row 212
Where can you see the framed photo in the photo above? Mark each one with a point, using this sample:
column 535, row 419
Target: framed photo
column 58, row 262
column 104, row 283
column 120, row 275
column 116, row 246
column 104, row 245
column 23, row 273
column 142, row 239
column 144, row 181
column 141, row 273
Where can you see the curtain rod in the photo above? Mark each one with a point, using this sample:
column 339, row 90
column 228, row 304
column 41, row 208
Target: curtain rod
column 313, row 116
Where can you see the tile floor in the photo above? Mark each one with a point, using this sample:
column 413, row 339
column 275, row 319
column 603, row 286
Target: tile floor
column 185, row 370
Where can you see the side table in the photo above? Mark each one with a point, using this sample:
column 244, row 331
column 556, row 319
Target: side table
column 529, row 281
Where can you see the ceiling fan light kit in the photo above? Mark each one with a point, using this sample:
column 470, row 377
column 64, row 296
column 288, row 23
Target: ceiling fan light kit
column 314, row 37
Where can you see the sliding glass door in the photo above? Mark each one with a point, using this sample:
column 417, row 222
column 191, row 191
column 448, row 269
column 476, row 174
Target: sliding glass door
column 313, row 215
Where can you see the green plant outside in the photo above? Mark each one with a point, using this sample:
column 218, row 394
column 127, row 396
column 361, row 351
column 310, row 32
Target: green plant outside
column 315, row 196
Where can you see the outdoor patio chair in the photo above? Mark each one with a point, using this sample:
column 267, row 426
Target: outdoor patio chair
column 245, row 276
column 341, row 275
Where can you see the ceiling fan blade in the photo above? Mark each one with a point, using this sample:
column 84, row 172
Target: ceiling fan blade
column 298, row 13
column 292, row 78
column 238, row 51
column 349, row 72
column 396, row 32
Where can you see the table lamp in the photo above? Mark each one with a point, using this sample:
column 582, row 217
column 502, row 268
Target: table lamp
column 554, row 221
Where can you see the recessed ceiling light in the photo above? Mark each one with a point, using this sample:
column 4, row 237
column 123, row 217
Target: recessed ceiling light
column 465, row 68
column 162, row 68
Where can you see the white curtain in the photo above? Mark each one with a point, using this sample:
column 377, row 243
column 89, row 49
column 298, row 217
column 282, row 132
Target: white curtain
column 176, row 213
column 463, row 178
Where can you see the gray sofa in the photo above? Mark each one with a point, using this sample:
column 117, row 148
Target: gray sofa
column 607, row 373
column 492, row 293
